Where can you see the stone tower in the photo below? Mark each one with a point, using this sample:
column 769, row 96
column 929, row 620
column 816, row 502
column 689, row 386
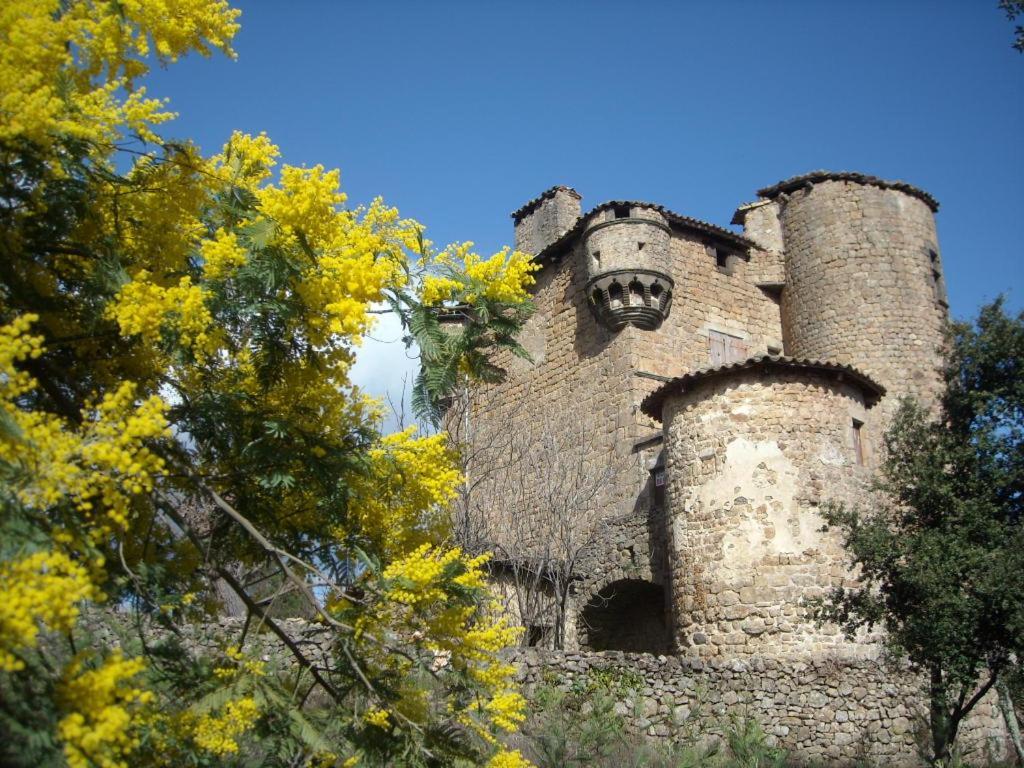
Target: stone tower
column 864, row 280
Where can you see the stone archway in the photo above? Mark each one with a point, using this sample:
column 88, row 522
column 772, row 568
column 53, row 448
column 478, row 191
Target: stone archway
column 626, row 615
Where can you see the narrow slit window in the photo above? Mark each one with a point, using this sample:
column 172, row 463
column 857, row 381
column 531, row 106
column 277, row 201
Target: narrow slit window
column 858, row 442
column 938, row 288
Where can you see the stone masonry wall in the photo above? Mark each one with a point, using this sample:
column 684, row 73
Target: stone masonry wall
column 860, row 287
column 824, row 710
column 571, row 404
column 750, row 457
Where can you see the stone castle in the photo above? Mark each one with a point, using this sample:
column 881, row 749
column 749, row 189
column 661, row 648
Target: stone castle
column 741, row 380
column 694, row 395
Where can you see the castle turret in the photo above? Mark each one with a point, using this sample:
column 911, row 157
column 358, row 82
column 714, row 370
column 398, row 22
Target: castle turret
column 752, row 450
column 628, row 265
column 864, row 281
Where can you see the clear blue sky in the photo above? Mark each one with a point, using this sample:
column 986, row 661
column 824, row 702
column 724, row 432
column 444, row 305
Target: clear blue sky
column 458, row 112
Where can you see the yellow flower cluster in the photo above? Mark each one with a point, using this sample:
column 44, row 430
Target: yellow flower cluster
column 462, row 275
column 242, row 664
column 218, row 734
column 68, row 67
column 145, row 308
column 17, row 345
column 222, row 254
column 380, row 718
column 418, row 575
column 245, row 160
column 45, row 589
column 438, row 289
column 101, row 467
column 102, row 707
column 506, row 709
column 506, row 758
column 400, row 501
column 505, row 276
column 102, row 463
column 307, row 201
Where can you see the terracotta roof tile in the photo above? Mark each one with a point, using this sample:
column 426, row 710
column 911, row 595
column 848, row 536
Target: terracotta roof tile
column 653, row 403
column 814, row 176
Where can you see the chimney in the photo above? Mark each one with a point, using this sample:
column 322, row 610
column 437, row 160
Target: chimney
column 546, row 218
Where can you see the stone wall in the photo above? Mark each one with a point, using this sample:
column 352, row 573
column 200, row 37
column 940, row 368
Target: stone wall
column 838, row 712
column 751, row 455
column 864, row 284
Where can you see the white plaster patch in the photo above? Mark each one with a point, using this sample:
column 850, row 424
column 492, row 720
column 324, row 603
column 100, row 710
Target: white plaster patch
column 769, row 522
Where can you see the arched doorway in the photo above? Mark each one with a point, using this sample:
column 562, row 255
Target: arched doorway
column 626, row 615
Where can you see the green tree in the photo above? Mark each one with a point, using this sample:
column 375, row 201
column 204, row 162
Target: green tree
column 941, row 549
column 1013, row 9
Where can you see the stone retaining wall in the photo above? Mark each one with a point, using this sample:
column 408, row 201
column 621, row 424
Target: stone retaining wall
column 820, row 711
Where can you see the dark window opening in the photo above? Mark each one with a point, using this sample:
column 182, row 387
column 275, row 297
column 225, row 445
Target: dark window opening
column 621, row 211
column 858, row 442
column 640, row 246
column 938, row 285
column 636, row 294
column 615, row 295
column 627, row 615
column 597, row 256
column 659, row 482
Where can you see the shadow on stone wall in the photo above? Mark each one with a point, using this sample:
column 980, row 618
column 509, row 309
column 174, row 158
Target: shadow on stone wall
column 627, row 615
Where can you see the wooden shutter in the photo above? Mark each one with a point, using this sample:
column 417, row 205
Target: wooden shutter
column 727, row 349
column 718, row 347
column 736, row 349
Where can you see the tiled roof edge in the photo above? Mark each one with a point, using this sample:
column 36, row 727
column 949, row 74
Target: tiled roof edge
column 715, row 231
column 796, row 182
column 653, row 403
column 530, row 205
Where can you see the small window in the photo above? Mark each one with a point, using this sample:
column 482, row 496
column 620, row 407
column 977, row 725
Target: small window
column 597, row 257
column 621, row 211
column 938, row 285
column 659, row 481
column 858, row 442
column 724, row 259
column 615, row 295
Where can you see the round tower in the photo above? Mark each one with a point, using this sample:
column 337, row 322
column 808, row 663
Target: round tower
column 752, row 451
column 628, row 266
column 864, row 281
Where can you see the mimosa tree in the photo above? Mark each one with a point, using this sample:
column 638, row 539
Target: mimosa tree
column 177, row 419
